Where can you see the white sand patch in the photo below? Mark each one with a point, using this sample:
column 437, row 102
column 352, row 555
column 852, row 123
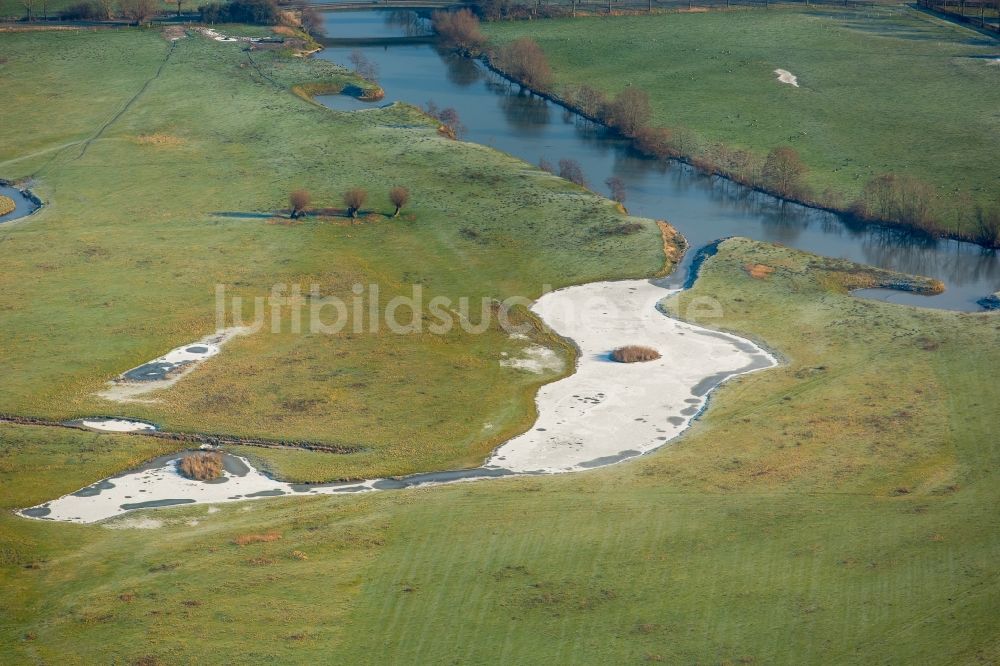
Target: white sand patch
column 535, row 359
column 608, row 411
column 219, row 37
column 604, row 413
column 787, row 77
column 117, row 425
column 213, row 509
column 165, row 371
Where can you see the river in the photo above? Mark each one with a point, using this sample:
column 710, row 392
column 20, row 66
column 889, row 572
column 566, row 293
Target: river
column 704, row 208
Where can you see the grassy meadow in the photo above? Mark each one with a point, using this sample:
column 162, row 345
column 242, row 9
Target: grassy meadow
column 882, row 89
column 160, row 185
column 837, row 509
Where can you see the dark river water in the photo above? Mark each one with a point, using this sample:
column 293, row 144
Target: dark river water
column 703, row 208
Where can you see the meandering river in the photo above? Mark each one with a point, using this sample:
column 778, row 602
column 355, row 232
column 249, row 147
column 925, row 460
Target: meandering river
column 704, row 208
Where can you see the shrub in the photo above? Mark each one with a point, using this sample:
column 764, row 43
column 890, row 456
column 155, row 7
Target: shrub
column 82, row 11
column 626, row 229
column 524, row 60
column 459, row 30
column 545, row 165
column 634, row 354
column 655, row 141
column 399, row 196
column 7, row 205
column 201, row 466
column 572, row 171
column 354, row 199
column 630, row 111
column 448, row 118
column 783, row 171
column 299, row 201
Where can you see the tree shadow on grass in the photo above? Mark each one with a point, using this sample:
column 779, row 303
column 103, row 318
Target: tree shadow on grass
column 246, row 216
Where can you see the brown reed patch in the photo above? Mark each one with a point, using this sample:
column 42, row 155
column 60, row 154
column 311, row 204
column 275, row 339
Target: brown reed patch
column 634, row 354
column 247, row 539
column 201, row 466
column 758, row 271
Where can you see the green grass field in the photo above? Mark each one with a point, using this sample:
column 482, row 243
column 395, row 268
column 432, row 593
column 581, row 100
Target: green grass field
column 122, row 264
column 884, row 89
column 838, row 509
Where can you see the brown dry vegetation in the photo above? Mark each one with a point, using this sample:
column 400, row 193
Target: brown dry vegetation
column 201, row 466
column 634, row 354
column 247, row 539
column 6, row 205
column 758, row 271
column 459, row 30
column 158, row 139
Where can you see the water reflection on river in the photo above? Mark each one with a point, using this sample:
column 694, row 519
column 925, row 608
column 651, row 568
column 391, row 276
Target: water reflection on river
column 704, row 208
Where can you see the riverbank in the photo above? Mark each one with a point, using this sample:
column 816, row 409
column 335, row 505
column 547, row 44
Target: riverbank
column 133, row 213
column 799, row 493
column 726, row 110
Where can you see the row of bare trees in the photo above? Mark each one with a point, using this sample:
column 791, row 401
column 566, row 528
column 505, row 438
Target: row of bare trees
column 886, row 197
column 354, row 199
column 136, row 11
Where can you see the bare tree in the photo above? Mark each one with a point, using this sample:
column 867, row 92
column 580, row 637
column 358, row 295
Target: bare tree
column 783, row 171
column 399, row 196
column 572, row 171
column 106, row 8
column 545, row 165
column 630, row 111
column 591, row 101
column 311, row 20
column 617, row 187
column 364, row 67
column 459, row 30
column 139, row 11
column 524, row 60
column 299, row 201
column 354, row 199
column 28, row 5
column 447, row 117
column 901, row 198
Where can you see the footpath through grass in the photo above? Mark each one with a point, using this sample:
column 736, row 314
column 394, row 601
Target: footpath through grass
column 160, row 169
column 882, row 89
column 837, row 509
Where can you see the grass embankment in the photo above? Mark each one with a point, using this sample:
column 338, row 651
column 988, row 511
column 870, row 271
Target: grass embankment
column 149, row 210
column 837, row 509
column 883, row 90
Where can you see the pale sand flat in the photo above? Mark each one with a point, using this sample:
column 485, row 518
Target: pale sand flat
column 604, row 413
column 787, row 77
